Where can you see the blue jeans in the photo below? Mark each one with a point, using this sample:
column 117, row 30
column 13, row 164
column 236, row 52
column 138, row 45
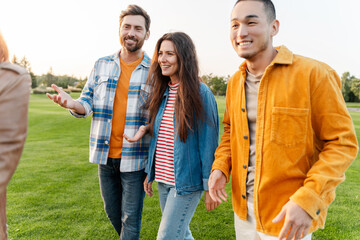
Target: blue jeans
column 123, row 195
column 177, row 212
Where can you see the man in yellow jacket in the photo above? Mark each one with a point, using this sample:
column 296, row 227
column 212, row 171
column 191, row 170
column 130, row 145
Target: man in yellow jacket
column 288, row 137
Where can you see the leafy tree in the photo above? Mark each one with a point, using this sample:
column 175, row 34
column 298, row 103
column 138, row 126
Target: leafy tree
column 349, row 87
column 216, row 84
column 355, row 88
column 24, row 62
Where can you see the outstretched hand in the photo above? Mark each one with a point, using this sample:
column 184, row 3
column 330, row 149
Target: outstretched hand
column 62, row 98
column 139, row 134
column 297, row 221
column 217, row 181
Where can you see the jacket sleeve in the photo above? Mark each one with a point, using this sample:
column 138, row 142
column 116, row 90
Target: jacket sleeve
column 14, row 102
column 208, row 135
column 87, row 95
column 223, row 152
column 335, row 142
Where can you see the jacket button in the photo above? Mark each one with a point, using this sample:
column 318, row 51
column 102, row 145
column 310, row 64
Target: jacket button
column 318, row 212
column 244, row 166
column 245, row 137
column 243, row 109
column 243, row 196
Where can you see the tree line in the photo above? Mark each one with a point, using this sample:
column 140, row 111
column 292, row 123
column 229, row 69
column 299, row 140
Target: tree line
column 45, row 80
column 350, row 85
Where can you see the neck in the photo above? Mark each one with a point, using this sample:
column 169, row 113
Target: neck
column 259, row 63
column 130, row 57
column 174, row 80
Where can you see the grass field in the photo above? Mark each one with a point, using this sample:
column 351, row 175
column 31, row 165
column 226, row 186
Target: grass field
column 54, row 193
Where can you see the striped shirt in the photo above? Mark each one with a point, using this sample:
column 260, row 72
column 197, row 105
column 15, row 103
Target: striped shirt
column 98, row 97
column 164, row 155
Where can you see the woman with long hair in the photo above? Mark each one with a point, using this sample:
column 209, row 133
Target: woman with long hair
column 184, row 126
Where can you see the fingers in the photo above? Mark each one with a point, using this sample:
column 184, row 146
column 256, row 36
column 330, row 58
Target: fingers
column 284, row 231
column 138, row 135
column 299, row 233
column 280, row 216
column 217, row 181
column 148, row 189
column 56, row 88
column 210, row 204
column 222, row 194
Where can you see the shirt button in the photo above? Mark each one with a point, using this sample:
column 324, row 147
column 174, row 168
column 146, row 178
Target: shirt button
column 244, row 166
column 109, row 120
column 318, row 212
column 243, row 109
column 106, row 142
column 245, row 137
column 243, row 196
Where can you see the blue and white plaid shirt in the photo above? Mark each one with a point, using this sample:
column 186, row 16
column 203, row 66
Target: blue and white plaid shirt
column 97, row 98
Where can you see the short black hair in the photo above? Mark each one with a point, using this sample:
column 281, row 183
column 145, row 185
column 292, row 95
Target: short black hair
column 136, row 10
column 269, row 8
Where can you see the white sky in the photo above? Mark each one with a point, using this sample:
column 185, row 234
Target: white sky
column 70, row 35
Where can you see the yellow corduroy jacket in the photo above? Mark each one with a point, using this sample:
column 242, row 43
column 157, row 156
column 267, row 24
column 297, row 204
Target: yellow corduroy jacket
column 305, row 140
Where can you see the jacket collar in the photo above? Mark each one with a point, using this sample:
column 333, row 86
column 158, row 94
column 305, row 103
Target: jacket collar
column 284, row 56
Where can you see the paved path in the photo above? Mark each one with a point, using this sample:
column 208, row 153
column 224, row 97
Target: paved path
column 354, row 109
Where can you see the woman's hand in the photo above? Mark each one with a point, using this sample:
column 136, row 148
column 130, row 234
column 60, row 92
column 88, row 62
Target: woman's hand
column 147, row 187
column 210, row 204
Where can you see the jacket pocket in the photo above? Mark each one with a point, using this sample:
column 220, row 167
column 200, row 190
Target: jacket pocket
column 100, row 89
column 289, row 126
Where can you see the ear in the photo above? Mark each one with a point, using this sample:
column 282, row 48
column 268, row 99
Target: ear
column 275, row 27
column 147, row 35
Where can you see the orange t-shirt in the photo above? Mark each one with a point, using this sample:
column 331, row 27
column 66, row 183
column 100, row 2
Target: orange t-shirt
column 119, row 108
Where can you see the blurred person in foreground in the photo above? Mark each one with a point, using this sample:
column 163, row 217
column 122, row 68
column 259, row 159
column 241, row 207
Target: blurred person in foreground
column 288, row 137
column 15, row 89
column 184, row 126
column 112, row 95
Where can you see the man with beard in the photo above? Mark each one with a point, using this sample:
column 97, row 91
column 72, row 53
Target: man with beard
column 114, row 95
column 288, row 137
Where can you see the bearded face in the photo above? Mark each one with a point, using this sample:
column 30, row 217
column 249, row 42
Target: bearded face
column 133, row 32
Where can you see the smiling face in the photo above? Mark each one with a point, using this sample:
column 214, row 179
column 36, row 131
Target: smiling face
column 168, row 61
column 251, row 33
column 133, row 32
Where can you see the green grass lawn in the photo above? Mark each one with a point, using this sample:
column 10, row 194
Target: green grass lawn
column 54, row 193
column 353, row 105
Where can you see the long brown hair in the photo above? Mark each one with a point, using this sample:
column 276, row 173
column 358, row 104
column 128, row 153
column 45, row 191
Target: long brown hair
column 188, row 105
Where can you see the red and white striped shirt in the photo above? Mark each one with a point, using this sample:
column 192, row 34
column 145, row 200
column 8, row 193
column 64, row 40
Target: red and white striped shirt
column 164, row 157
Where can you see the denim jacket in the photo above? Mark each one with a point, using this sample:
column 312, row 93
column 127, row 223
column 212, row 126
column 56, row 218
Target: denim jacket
column 194, row 157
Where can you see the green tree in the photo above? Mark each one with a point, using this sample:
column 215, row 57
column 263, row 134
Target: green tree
column 346, row 87
column 355, row 88
column 24, row 62
column 216, row 84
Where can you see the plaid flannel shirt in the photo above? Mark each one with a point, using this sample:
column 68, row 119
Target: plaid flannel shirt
column 98, row 97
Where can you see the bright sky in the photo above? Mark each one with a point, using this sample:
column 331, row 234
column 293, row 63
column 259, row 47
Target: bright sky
column 70, row 35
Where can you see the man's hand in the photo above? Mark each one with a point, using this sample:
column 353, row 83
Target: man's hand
column 210, row 204
column 297, row 221
column 147, row 187
column 139, row 134
column 217, row 181
column 62, row 98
